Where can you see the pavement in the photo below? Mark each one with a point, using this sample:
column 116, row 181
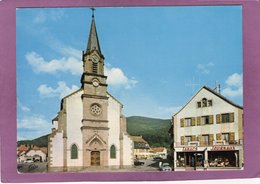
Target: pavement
column 32, row 167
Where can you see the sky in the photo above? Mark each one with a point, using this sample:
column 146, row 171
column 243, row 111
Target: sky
column 156, row 58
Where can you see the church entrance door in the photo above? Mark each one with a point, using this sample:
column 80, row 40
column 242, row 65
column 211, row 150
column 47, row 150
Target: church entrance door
column 95, row 158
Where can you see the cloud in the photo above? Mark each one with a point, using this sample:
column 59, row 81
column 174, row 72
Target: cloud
column 117, row 78
column 31, row 127
column 234, row 86
column 40, row 65
column 52, row 15
column 205, row 69
column 61, row 90
column 23, row 107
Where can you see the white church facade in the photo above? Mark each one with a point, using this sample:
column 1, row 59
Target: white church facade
column 90, row 129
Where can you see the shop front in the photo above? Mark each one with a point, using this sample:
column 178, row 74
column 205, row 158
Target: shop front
column 223, row 156
column 190, row 157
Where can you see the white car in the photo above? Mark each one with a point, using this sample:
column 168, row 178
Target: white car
column 165, row 167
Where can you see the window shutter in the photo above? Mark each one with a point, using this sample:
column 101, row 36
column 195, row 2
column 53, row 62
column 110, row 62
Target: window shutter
column 199, row 138
column 193, row 123
column 211, row 139
column 193, row 138
column 182, row 122
column 198, row 121
column 218, row 118
column 211, row 119
column 232, row 136
column 231, row 117
column 218, row 136
column 182, row 140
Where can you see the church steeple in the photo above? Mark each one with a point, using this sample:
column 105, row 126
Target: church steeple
column 93, row 60
column 93, row 43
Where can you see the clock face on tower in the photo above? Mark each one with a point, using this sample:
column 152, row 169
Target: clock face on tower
column 95, row 82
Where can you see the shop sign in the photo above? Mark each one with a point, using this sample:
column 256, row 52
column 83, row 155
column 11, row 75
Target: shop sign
column 223, row 148
column 190, row 148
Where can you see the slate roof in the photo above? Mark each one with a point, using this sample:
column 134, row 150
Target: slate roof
column 93, row 43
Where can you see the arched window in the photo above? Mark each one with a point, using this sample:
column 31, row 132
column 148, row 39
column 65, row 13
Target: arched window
column 113, row 151
column 74, row 152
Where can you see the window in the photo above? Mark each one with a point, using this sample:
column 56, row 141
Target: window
column 113, row 151
column 205, row 120
column 225, row 118
column 205, row 139
column 74, row 152
column 188, row 139
column 204, row 102
column 209, row 103
column 225, row 137
column 94, row 67
column 188, row 121
column 198, row 104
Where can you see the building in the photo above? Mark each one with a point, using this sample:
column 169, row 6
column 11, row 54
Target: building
column 37, row 155
column 141, row 147
column 90, row 129
column 208, row 133
column 31, row 153
column 159, row 152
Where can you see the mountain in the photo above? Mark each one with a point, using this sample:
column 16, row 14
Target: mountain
column 40, row 141
column 154, row 131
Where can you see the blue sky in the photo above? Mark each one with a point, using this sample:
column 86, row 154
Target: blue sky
column 152, row 55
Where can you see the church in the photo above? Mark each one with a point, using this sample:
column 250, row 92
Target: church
column 90, row 129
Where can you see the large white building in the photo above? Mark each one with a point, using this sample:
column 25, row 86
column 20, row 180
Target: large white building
column 90, row 129
column 208, row 133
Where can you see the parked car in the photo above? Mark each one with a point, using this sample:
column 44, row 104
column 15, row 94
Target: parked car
column 165, row 167
column 138, row 162
column 157, row 158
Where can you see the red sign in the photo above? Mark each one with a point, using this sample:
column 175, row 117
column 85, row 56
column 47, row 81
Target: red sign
column 190, row 148
column 223, row 148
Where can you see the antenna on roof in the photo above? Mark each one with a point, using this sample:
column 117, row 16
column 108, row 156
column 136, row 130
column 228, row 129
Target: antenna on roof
column 217, row 87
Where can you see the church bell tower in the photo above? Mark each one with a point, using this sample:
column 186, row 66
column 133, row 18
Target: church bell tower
column 95, row 102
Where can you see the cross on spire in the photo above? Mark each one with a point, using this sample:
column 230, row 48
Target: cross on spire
column 93, row 10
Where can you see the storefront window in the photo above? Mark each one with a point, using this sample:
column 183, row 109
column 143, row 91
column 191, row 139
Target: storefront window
column 190, row 159
column 223, row 158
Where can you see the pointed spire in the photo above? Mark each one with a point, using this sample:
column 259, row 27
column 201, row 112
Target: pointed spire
column 93, row 42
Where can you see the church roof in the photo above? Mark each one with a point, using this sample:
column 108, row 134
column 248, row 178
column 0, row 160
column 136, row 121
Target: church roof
column 93, row 43
column 215, row 93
